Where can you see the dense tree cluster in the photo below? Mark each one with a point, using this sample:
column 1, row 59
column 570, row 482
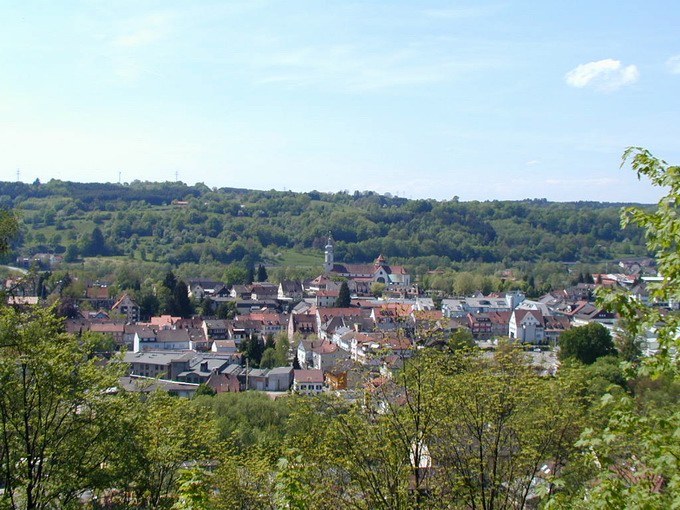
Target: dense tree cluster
column 179, row 224
column 586, row 343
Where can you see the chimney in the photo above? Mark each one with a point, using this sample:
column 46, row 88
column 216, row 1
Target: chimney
column 204, row 366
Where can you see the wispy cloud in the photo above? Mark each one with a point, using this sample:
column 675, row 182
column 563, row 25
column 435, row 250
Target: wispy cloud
column 359, row 68
column 144, row 31
column 576, row 183
column 134, row 43
column 673, row 64
column 605, row 75
column 456, row 13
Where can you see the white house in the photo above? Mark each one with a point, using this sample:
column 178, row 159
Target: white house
column 162, row 339
column 527, row 326
column 223, row 346
column 308, row 382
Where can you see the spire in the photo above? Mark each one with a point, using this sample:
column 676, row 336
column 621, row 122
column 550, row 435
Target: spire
column 328, row 255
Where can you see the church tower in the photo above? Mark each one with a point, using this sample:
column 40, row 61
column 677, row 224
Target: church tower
column 328, row 259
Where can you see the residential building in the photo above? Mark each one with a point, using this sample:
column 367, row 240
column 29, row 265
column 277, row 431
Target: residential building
column 162, row 339
column 308, row 382
column 128, row 307
column 290, row 290
column 527, row 326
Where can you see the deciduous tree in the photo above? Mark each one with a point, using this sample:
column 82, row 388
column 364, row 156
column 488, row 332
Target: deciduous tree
column 636, row 454
column 586, row 343
column 56, row 411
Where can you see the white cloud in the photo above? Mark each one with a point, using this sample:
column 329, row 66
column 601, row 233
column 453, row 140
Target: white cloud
column 607, row 75
column 673, row 64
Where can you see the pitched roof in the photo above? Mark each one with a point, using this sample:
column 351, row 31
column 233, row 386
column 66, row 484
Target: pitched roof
column 521, row 314
column 123, row 300
column 308, row 376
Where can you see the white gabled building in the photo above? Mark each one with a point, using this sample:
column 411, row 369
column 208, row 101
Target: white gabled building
column 527, row 326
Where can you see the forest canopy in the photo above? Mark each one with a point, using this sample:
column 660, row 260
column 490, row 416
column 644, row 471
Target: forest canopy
column 176, row 223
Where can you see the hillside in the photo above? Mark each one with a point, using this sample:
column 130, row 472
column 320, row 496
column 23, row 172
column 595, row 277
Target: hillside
column 177, row 223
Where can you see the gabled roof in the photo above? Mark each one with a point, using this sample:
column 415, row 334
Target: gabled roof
column 97, row 292
column 308, row 376
column 215, row 323
column 164, row 320
column 500, row 317
column 520, row 315
column 292, row 286
column 107, row 327
column 124, row 300
column 204, row 283
column 324, row 347
column 164, row 335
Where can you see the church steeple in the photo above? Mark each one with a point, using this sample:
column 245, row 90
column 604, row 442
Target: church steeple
column 328, row 254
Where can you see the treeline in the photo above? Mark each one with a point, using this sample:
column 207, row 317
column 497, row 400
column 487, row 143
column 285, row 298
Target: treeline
column 93, row 194
column 176, row 223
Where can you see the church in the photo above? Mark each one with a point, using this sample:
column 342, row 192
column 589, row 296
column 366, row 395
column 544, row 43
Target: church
column 378, row 272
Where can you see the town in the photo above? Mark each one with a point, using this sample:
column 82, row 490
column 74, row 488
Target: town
column 432, row 382
column 331, row 345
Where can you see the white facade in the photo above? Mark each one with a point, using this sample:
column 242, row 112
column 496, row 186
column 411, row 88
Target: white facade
column 525, row 326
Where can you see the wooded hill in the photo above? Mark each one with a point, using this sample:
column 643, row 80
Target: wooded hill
column 178, row 223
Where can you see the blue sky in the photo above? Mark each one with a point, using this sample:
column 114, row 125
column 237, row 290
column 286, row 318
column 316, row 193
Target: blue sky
column 480, row 100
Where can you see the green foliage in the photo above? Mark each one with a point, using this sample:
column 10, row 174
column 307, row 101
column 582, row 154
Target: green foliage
column 628, row 344
column 245, row 480
column 344, row 298
column 67, row 427
column 228, row 226
column 461, row 338
column 247, row 419
column 276, row 352
column 261, row 273
column 194, row 490
column 9, row 229
column 486, row 425
column 377, row 289
column 253, row 348
column 586, row 343
column 94, row 244
column 268, row 358
column 204, row 389
column 635, row 454
column 282, row 350
column 226, row 310
column 163, row 433
column 56, row 411
column 182, row 306
column 100, row 342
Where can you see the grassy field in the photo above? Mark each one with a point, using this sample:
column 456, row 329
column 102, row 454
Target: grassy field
column 298, row 259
